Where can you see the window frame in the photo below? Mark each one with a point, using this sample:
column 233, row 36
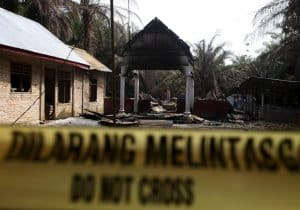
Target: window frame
column 64, row 78
column 22, row 75
column 93, row 90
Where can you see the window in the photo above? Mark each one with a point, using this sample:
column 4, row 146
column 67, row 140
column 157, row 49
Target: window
column 93, row 90
column 64, row 87
column 20, row 78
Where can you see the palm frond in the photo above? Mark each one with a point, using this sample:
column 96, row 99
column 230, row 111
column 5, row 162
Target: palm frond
column 268, row 17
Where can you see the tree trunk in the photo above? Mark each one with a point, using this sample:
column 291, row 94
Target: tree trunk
column 86, row 24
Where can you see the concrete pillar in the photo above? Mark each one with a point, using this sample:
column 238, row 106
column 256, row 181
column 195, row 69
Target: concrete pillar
column 136, row 91
column 188, row 75
column 73, row 91
column 55, row 114
column 262, row 100
column 122, row 90
column 192, row 92
column 42, row 92
column 261, row 114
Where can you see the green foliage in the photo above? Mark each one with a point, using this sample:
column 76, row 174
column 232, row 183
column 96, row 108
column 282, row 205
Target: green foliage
column 153, row 82
column 209, row 59
column 176, row 84
column 11, row 5
column 270, row 63
column 233, row 75
column 270, row 16
column 284, row 56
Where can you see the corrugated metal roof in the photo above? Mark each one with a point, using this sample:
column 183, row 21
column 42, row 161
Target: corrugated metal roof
column 25, row 34
column 92, row 61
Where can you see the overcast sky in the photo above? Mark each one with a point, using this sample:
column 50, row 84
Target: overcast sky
column 194, row 20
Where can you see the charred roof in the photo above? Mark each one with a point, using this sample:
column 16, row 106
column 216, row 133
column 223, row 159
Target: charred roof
column 156, row 47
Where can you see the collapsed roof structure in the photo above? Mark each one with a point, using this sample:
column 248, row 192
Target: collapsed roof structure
column 156, row 47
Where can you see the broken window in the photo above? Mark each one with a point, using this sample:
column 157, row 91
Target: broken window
column 93, row 90
column 20, row 78
column 64, row 87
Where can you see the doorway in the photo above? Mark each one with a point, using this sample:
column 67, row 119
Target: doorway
column 50, row 75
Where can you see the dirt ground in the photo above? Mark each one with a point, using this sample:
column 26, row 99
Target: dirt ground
column 251, row 125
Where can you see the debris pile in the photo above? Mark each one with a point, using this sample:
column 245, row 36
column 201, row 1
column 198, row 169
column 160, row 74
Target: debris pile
column 237, row 116
column 164, row 113
column 147, row 119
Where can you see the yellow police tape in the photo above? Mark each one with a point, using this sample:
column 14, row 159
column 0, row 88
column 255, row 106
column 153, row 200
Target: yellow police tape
column 102, row 168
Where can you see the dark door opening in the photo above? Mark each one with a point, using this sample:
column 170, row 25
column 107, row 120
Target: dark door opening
column 50, row 94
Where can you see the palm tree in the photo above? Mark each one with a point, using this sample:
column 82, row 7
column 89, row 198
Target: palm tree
column 94, row 14
column 271, row 15
column 284, row 14
column 56, row 15
column 208, row 58
column 242, row 68
column 73, row 22
column 279, row 13
column 11, row 5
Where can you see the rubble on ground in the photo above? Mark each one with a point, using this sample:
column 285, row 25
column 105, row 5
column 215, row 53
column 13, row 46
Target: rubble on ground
column 163, row 114
column 237, row 116
column 249, row 125
column 143, row 119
